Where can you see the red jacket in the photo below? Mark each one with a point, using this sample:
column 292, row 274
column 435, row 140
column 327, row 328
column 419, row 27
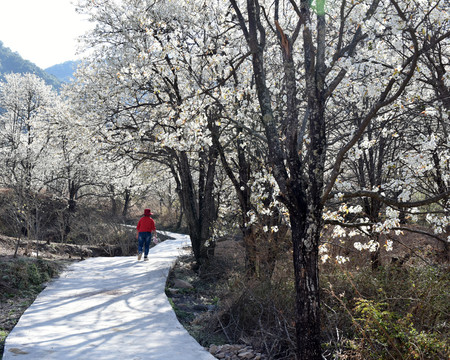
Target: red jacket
column 146, row 224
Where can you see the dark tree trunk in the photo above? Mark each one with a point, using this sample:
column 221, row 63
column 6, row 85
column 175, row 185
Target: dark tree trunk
column 305, row 208
column 242, row 189
column 300, row 185
column 197, row 203
column 180, row 219
column 113, row 205
column 16, row 248
column 305, row 238
column 126, row 203
column 71, row 207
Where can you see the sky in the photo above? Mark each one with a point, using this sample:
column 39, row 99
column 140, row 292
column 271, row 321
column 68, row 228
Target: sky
column 42, row 31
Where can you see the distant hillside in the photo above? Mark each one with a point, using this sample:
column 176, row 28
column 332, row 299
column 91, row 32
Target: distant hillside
column 64, row 72
column 12, row 62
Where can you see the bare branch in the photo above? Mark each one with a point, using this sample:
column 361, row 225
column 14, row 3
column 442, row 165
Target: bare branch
column 240, row 19
column 421, row 232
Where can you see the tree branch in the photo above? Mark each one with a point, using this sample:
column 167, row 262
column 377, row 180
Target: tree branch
column 421, row 232
column 392, row 202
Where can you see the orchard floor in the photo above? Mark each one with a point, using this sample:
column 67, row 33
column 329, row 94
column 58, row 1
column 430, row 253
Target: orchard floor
column 107, row 308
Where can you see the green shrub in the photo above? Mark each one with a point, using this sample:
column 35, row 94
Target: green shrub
column 385, row 334
column 21, row 281
column 27, row 274
column 394, row 313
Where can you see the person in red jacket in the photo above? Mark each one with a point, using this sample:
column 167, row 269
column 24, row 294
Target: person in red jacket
column 144, row 231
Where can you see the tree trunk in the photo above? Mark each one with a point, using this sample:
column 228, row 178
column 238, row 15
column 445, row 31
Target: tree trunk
column 241, row 186
column 126, row 203
column 305, row 238
column 198, row 210
column 71, row 209
column 180, row 219
column 16, row 248
column 300, row 186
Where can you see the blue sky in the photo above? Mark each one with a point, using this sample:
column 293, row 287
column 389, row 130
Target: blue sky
column 42, row 31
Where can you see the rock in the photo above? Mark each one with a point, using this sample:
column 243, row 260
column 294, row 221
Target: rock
column 235, row 352
column 173, row 291
column 243, row 350
column 181, row 284
column 213, row 349
column 246, row 355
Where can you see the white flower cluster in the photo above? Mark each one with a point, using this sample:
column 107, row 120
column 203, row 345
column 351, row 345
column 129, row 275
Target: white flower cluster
column 264, row 188
column 439, row 223
column 273, row 229
column 324, row 256
column 371, row 245
column 342, row 259
column 343, row 210
column 390, row 222
column 429, row 142
column 389, row 245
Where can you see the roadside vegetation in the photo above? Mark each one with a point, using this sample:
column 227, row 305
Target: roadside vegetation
column 21, row 280
column 400, row 310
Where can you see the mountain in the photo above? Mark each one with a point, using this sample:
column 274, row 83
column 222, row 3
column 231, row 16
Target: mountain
column 12, row 62
column 64, row 72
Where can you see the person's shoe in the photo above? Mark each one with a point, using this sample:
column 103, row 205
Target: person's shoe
column 139, row 256
column 145, row 258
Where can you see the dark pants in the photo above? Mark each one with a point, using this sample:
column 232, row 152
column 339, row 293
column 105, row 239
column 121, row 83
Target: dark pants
column 144, row 239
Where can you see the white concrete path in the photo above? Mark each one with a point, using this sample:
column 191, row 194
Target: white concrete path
column 107, row 308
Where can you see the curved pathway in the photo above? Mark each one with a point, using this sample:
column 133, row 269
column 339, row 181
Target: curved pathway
column 107, row 308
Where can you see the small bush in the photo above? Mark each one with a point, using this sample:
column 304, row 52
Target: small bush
column 26, row 274
column 398, row 313
column 385, row 334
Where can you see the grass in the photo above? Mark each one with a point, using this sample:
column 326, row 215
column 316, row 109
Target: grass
column 21, row 280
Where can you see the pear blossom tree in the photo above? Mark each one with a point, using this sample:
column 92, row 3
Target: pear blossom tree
column 146, row 77
column 122, row 183
column 157, row 185
column 82, row 167
column 328, row 51
column 261, row 219
column 210, row 101
column 75, row 171
column 434, row 90
column 239, row 138
column 387, row 160
column 27, row 111
column 404, row 152
column 43, row 155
